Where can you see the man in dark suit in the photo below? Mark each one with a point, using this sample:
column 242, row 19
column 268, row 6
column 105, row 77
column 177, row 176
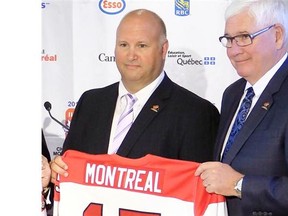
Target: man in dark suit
column 169, row 120
column 254, row 169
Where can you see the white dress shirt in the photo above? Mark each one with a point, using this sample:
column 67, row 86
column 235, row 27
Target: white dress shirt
column 142, row 97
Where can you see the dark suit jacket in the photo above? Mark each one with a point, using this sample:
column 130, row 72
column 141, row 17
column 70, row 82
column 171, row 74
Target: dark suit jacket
column 260, row 150
column 184, row 127
column 45, row 150
column 46, row 153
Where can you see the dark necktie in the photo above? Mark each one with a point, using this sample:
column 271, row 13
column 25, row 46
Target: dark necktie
column 240, row 119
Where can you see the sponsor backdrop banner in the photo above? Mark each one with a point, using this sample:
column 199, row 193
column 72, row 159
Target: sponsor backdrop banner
column 78, row 39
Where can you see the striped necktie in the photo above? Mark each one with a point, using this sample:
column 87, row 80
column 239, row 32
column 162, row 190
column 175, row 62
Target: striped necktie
column 240, row 119
column 125, row 121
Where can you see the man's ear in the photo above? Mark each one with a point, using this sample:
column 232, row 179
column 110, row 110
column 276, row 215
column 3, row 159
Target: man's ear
column 279, row 36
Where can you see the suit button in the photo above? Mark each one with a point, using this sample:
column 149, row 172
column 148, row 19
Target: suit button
column 254, row 213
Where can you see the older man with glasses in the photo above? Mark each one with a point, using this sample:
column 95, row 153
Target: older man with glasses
column 252, row 141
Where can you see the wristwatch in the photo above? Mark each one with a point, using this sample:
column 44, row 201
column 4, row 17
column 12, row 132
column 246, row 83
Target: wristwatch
column 238, row 187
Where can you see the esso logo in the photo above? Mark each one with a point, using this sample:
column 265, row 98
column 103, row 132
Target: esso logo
column 112, row 7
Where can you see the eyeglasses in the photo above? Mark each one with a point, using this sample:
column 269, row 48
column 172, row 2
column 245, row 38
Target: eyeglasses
column 242, row 39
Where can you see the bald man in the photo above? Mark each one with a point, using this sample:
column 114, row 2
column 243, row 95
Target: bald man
column 168, row 120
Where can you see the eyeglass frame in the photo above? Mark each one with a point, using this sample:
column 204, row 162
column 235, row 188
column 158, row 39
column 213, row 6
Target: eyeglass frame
column 251, row 36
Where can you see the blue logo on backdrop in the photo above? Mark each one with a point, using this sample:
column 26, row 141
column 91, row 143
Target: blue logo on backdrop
column 112, row 6
column 209, row 61
column 44, row 4
column 182, row 7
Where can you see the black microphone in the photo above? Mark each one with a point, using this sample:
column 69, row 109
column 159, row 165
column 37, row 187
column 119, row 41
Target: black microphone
column 48, row 107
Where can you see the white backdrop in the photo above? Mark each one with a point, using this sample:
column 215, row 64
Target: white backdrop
column 78, row 40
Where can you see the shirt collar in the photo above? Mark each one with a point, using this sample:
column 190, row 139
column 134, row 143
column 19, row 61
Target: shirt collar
column 143, row 94
column 261, row 84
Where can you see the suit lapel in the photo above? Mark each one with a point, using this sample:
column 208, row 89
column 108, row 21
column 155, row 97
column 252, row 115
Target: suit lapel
column 261, row 108
column 107, row 112
column 255, row 117
column 155, row 105
column 227, row 113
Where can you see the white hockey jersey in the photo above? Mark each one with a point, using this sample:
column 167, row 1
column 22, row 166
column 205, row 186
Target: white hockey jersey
column 111, row 185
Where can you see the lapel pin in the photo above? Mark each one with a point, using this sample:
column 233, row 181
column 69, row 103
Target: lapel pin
column 266, row 105
column 155, row 108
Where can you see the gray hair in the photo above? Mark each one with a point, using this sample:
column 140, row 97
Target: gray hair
column 265, row 12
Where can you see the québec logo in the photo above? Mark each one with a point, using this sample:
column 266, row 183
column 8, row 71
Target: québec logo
column 209, row 61
column 112, row 7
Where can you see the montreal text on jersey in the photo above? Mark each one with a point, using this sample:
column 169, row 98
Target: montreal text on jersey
column 123, row 178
